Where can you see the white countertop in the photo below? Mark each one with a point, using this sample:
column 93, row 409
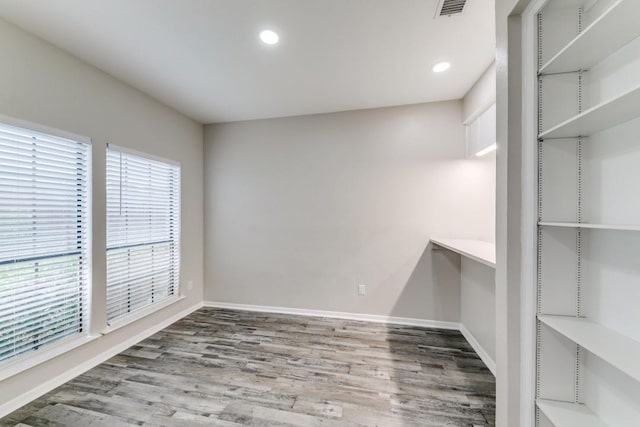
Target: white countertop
column 477, row 250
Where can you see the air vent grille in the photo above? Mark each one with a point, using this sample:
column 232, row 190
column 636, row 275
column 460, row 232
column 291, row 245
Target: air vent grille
column 452, row 7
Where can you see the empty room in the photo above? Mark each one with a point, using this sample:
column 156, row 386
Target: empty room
column 319, row 213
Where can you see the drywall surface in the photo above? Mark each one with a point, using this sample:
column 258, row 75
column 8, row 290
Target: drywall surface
column 481, row 95
column 302, row 210
column 478, row 302
column 41, row 84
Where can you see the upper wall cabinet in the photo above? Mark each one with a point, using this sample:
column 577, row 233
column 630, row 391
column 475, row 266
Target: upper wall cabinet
column 587, row 82
column 481, row 133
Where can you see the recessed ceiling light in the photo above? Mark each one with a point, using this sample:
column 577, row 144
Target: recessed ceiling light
column 441, row 67
column 269, row 37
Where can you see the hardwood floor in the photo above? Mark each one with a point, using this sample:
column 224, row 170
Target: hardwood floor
column 229, row 368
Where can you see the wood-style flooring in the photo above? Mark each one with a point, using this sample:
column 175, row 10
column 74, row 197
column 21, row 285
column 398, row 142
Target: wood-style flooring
column 229, row 368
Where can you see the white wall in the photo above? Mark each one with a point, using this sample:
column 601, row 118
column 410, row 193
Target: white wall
column 41, row 84
column 301, row 210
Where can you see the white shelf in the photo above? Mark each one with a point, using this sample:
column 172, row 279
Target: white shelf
column 476, row 250
column 563, row 414
column 614, row 348
column 607, row 114
column 591, row 226
column 616, row 27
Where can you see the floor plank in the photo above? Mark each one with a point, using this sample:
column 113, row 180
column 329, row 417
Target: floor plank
column 220, row 367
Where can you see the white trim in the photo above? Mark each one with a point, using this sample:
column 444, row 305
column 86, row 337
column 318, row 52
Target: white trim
column 139, row 314
column 337, row 315
column 45, row 130
column 88, row 319
column 49, row 385
column 491, row 364
column 29, row 360
column 529, row 215
column 142, row 154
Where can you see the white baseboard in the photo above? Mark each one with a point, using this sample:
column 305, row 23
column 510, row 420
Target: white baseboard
column 49, row 385
column 337, row 315
column 478, row 348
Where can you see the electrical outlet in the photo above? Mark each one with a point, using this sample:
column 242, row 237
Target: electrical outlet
column 189, row 285
column 362, row 289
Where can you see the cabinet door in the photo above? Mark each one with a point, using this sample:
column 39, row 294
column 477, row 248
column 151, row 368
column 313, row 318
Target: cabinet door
column 487, row 129
column 473, row 137
column 481, row 133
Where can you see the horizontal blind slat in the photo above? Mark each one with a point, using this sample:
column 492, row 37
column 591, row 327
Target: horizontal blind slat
column 34, row 299
column 53, row 332
column 36, row 320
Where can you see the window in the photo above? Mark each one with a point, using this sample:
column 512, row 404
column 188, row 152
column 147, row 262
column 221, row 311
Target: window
column 143, row 232
column 44, row 239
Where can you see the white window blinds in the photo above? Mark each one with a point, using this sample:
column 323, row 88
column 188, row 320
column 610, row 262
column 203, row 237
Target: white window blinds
column 44, row 239
column 143, row 232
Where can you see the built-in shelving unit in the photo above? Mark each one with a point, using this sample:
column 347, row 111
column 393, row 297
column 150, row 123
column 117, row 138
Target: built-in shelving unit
column 616, row 27
column 477, row 250
column 563, row 414
column 587, row 81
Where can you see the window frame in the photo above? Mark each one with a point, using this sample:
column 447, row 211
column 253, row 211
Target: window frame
column 140, row 313
column 63, row 345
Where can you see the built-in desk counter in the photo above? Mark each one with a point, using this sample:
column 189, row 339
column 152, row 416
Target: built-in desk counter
column 476, row 250
column 477, row 294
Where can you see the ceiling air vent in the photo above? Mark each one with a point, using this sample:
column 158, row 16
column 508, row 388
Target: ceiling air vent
column 450, row 7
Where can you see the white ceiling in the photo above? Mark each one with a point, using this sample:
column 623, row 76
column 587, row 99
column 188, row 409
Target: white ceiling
column 204, row 58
